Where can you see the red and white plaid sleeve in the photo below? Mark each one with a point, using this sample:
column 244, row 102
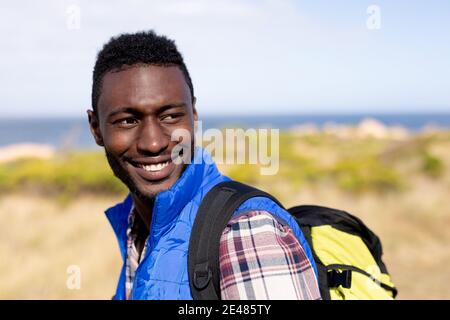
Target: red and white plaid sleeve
column 262, row 259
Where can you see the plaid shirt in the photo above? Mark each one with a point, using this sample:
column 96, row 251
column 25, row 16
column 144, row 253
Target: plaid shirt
column 133, row 256
column 259, row 259
column 262, row 259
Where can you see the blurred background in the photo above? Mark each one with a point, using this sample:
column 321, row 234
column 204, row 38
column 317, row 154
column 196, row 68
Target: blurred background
column 359, row 90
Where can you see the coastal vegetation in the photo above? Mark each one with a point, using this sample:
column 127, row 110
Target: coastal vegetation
column 52, row 221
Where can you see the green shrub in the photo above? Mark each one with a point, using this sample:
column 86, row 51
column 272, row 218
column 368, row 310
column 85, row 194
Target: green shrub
column 70, row 174
column 367, row 174
column 357, row 165
column 432, row 166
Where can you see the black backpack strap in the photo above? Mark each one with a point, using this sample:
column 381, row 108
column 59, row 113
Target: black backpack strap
column 215, row 211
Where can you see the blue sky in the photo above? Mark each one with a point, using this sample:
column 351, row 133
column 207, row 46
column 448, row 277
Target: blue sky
column 245, row 57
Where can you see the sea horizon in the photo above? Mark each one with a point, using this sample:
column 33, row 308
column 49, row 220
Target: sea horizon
column 74, row 131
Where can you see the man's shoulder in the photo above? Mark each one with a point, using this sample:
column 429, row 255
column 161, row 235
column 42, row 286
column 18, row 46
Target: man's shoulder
column 256, row 251
column 256, row 221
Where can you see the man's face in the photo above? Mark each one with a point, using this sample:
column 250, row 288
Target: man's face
column 138, row 109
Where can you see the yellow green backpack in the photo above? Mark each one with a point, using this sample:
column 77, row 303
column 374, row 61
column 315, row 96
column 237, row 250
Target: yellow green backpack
column 347, row 253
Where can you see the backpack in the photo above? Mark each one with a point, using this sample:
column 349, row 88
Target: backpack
column 346, row 252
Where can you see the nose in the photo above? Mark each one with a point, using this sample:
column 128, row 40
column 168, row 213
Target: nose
column 152, row 139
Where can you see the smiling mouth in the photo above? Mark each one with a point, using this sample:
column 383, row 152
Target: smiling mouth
column 152, row 167
column 153, row 172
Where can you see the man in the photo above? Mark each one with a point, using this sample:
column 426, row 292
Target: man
column 141, row 94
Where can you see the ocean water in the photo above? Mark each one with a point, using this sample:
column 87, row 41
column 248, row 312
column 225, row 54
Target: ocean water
column 74, row 132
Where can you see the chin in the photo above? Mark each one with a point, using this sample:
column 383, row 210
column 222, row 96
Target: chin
column 151, row 191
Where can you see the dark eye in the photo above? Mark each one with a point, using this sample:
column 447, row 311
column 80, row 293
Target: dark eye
column 171, row 117
column 126, row 122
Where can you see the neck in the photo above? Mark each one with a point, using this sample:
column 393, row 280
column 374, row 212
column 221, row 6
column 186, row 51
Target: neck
column 144, row 209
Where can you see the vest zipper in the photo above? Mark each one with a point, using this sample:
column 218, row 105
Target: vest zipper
column 147, row 249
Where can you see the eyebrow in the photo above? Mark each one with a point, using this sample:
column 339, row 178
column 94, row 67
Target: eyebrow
column 171, row 106
column 122, row 110
column 134, row 111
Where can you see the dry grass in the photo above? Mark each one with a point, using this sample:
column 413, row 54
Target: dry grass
column 40, row 239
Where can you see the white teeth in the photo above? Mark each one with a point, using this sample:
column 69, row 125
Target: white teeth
column 155, row 167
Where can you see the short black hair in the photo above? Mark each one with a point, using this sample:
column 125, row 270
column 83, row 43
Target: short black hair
column 136, row 48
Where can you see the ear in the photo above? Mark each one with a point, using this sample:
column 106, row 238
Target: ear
column 195, row 115
column 94, row 125
column 194, row 110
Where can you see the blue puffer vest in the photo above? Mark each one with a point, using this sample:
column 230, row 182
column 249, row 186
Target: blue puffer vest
column 163, row 273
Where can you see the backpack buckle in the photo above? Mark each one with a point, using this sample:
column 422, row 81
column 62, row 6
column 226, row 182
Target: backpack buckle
column 202, row 275
column 336, row 278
